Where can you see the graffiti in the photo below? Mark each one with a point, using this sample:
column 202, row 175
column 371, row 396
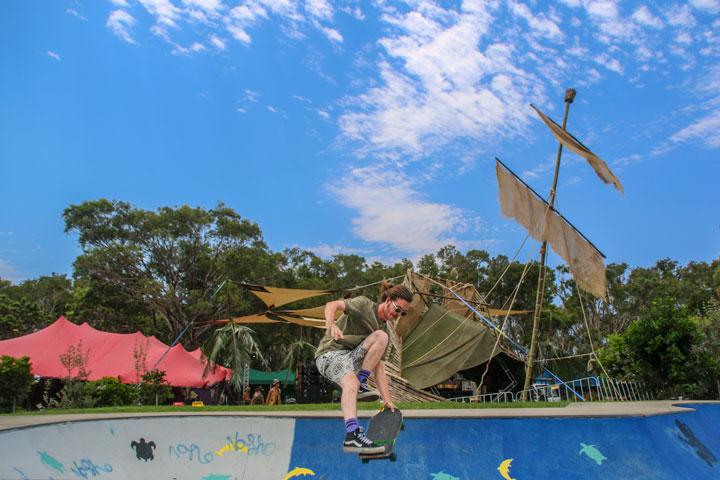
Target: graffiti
column 700, row 448
column 592, row 452
column 252, row 445
column 504, row 469
column 22, row 474
column 192, row 451
column 88, row 467
column 232, row 446
column 48, row 460
column 443, row 476
column 256, row 446
column 214, row 476
column 143, row 451
column 297, row 471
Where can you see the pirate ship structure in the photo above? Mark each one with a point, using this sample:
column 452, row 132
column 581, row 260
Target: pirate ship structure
column 450, row 327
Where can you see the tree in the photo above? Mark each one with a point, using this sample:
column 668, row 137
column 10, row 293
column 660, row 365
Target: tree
column 172, row 259
column 231, row 346
column 15, row 382
column 18, row 317
column 663, row 350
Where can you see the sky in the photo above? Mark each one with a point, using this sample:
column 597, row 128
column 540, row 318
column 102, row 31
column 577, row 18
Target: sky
column 361, row 127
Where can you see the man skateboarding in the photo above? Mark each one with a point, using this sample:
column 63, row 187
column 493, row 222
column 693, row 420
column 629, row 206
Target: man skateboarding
column 356, row 346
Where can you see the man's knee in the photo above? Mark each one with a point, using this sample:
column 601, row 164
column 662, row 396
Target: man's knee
column 350, row 382
column 379, row 337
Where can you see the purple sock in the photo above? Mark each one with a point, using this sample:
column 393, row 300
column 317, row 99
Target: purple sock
column 351, row 424
column 363, row 375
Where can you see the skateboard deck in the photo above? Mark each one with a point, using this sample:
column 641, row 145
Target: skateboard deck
column 384, row 429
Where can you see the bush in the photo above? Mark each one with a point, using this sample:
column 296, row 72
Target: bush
column 110, row 392
column 15, row 381
column 154, row 388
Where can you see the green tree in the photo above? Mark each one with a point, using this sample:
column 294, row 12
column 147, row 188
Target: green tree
column 15, row 382
column 18, row 317
column 231, row 346
column 172, row 259
column 663, row 350
column 154, row 389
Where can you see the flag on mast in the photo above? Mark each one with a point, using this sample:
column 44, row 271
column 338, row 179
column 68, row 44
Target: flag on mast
column 574, row 145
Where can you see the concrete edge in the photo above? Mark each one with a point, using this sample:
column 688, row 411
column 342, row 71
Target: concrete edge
column 573, row 410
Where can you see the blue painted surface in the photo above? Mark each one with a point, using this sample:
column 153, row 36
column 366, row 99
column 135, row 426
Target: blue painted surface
column 677, row 446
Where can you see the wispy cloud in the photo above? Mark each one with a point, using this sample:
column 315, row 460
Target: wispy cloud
column 54, row 55
column 75, row 14
column 120, row 23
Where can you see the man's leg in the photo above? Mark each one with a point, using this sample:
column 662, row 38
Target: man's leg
column 374, row 345
column 355, row 440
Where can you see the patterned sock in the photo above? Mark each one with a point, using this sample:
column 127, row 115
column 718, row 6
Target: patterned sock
column 363, row 375
column 351, row 424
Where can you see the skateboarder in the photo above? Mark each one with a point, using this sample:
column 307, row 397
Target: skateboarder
column 356, row 346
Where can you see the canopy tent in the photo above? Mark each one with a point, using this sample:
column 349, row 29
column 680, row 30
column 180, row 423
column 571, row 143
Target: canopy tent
column 260, row 377
column 109, row 355
column 443, row 343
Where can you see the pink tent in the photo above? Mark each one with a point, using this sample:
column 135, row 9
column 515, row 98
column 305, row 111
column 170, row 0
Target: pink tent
column 111, row 355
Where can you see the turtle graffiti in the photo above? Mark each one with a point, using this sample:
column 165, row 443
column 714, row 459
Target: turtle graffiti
column 143, row 450
column 593, row 453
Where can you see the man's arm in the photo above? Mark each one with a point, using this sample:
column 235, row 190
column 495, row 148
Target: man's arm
column 331, row 308
column 382, row 384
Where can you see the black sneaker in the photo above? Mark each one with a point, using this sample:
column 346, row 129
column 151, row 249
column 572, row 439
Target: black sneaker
column 357, row 442
column 367, row 395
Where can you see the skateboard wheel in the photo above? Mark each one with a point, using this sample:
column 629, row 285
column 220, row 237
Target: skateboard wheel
column 402, row 426
column 393, row 457
column 365, row 460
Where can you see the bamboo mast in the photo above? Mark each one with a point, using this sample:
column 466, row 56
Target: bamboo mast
column 569, row 97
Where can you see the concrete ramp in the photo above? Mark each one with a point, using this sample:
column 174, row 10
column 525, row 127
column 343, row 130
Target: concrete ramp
column 223, row 447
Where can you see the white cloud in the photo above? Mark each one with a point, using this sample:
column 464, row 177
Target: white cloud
column 610, row 63
column 120, row 23
column 643, row 16
column 320, row 9
column 217, row 42
column 390, row 210
column 53, row 55
column 680, row 16
column 271, row 108
column 332, row 34
column 540, row 24
column 120, row 3
column 706, row 129
column 710, row 6
column 75, row 14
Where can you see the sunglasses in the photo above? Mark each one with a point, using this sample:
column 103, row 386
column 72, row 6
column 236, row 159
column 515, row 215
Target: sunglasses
column 398, row 309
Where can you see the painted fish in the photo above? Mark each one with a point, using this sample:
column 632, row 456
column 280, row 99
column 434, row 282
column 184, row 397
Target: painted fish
column 504, row 469
column 232, row 446
column 48, row 460
column 214, row 476
column 593, row 453
column 443, row 476
column 297, row 471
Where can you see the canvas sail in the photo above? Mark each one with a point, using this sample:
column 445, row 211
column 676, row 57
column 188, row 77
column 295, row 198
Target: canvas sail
column 544, row 224
column 574, row 145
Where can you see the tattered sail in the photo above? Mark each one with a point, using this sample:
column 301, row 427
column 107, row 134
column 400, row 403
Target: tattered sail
column 544, row 224
column 573, row 144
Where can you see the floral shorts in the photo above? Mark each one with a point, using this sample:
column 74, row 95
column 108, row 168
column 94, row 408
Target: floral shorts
column 336, row 364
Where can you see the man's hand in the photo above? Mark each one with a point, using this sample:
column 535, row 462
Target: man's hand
column 391, row 406
column 334, row 331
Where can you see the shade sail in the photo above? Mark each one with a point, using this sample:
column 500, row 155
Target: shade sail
column 443, row 343
column 109, row 355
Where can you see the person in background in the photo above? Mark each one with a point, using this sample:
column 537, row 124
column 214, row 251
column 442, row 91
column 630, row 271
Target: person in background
column 273, row 396
column 246, row 396
column 258, row 397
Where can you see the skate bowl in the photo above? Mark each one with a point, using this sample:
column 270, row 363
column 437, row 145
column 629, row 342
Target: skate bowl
column 646, row 440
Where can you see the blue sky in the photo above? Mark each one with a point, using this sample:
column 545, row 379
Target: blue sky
column 361, row 127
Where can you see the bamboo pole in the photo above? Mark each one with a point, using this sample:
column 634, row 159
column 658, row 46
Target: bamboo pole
column 569, row 97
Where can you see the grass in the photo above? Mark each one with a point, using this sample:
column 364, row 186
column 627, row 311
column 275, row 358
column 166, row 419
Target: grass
column 307, row 407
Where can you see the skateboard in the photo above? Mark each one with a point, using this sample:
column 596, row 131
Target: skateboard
column 384, row 429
